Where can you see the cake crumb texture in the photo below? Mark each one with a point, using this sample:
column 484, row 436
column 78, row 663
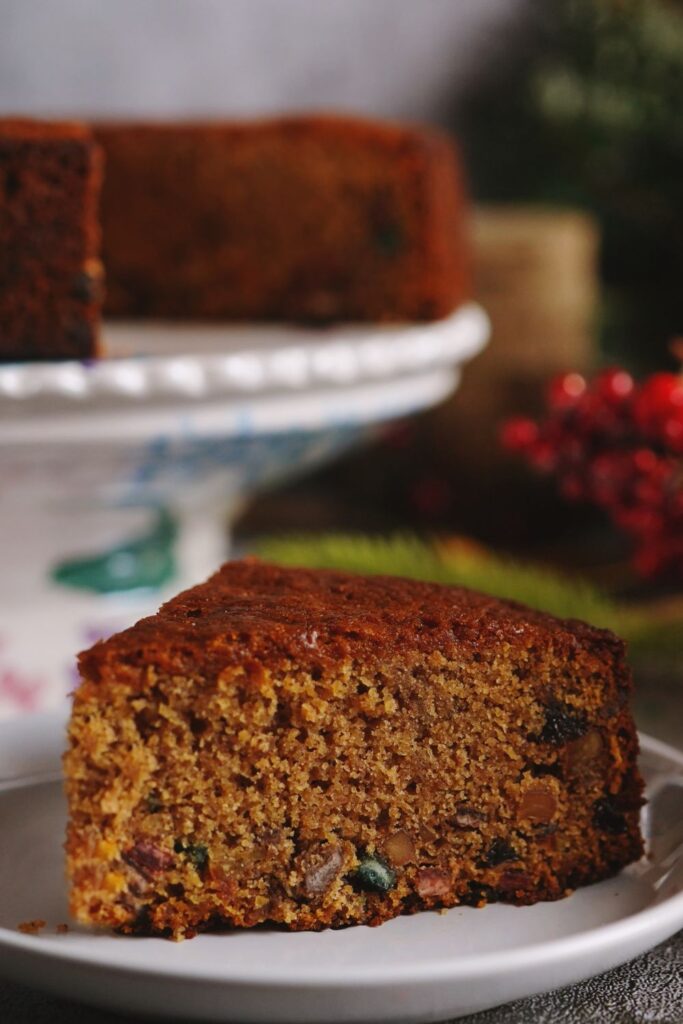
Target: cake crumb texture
column 34, row 927
column 315, row 749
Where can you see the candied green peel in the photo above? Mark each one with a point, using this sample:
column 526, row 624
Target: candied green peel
column 374, row 875
column 196, row 853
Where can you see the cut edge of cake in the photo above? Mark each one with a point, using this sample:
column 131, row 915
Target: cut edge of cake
column 51, row 276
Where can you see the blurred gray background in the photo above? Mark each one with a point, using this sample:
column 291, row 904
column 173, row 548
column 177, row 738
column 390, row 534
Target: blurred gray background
column 405, row 58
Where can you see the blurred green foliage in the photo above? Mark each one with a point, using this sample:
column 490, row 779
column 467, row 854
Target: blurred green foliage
column 586, row 110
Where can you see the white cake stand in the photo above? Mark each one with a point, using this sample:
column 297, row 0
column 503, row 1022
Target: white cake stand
column 120, row 477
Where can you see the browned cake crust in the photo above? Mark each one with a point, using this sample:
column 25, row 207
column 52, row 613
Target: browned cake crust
column 319, row 749
column 50, row 275
column 313, row 218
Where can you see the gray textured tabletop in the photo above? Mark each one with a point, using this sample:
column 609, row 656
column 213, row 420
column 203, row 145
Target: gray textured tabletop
column 648, row 990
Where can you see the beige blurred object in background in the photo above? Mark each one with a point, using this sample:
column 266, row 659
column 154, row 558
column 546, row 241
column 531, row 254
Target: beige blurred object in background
column 536, row 276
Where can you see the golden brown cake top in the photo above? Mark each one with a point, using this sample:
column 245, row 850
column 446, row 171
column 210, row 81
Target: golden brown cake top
column 254, row 611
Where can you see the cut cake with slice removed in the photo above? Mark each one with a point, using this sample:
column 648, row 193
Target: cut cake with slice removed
column 317, row 749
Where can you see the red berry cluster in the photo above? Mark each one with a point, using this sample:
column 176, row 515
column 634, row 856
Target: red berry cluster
column 618, row 445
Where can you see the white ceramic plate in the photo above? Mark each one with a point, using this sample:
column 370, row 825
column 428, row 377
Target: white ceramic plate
column 423, row 968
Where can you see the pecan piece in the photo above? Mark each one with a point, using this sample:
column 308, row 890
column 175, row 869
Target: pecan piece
column 324, row 870
column 515, row 883
column 148, row 859
column 434, row 882
column 466, row 818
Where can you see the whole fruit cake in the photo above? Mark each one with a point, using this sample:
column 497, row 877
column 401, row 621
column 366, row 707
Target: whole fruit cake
column 50, row 275
column 316, row 749
column 308, row 218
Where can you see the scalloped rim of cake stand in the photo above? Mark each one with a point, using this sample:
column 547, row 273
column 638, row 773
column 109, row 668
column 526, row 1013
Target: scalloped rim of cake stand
column 147, row 362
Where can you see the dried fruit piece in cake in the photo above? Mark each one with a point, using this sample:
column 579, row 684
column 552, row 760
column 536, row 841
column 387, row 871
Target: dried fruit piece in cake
column 320, row 749
column 50, row 275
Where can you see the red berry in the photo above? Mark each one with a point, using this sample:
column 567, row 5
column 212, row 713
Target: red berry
column 609, row 474
column 643, row 521
column 565, row 391
column 573, row 450
column 518, row 434
column 542, row 456
column 572, row 487
column 675, row 507
column 619, row 447
column 660, row 556
column 648, row 491
column 598, row 419
column 644, row 460
column 613, row 385
column 672, row 431
column 659, row 398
